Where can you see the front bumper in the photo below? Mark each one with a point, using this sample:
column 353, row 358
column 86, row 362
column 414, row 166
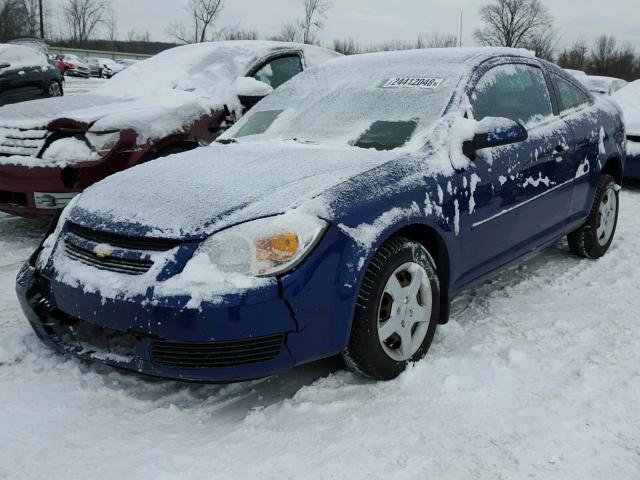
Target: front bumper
column 299, row 318
column 229, row 343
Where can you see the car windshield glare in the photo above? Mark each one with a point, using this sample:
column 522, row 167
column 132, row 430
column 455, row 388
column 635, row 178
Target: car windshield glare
column 383, row 135
column 258, row 123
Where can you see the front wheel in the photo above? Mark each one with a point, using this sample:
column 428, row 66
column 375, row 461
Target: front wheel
column 397, row 311
column 594, row 238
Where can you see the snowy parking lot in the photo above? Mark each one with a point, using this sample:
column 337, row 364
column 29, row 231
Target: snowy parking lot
column 537, row 376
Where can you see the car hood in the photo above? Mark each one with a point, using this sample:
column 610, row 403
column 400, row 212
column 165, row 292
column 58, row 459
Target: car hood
column 153, row 116
column 194, row 194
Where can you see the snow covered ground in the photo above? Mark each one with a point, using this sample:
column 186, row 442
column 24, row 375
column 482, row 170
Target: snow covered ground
column 77, row 85
column 537, row 376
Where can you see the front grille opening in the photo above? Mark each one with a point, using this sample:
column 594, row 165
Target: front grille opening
column 94, row 341
column 13, row 198
column 121, row 241
column 217, row 354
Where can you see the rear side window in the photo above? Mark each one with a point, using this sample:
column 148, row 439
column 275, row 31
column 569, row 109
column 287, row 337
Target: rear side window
column 516, row 92
column 280, row 70
column 570, row 95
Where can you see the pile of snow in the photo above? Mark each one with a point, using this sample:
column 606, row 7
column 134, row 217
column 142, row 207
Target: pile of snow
column 628, row 98
column 18, row 56
column 536, row 376
column 161, row 95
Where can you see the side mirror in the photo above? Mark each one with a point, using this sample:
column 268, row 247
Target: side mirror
column 4, row 65
column 250, row 91
column 495, row 132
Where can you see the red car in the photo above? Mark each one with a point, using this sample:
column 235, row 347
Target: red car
column 50, row 150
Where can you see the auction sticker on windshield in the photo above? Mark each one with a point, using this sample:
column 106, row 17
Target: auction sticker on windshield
column 413, row 82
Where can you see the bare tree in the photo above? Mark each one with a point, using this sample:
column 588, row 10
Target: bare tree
column 315, row 11
column 82, row 17
column 603, row 54
column 544, row 44
column 111, row 24
column 13, row 19
column 236, row 33
column 440, row 40
column 203, row 14
column 290, row 32
column 512, row 23
column 575, row 57
column 347, row 46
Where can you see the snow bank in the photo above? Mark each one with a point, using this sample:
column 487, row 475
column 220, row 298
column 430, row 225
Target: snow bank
column 628, row 98
column 526, row 381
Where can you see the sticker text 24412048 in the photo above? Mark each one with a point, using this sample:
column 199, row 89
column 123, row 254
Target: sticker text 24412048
column 413, row 82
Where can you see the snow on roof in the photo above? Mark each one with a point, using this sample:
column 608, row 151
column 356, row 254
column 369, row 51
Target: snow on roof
column 629, row 99
column 201, row 66
column 19, row 56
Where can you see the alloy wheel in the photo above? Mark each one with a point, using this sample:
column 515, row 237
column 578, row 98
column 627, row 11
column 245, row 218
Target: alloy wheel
column 404, row 311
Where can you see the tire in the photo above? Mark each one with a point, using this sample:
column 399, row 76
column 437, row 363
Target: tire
column 388, row 310
column 594, row 238
column 54, row 89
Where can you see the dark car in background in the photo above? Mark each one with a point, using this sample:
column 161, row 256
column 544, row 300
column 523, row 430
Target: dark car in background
column 628, row 98
column 339, row 216
column 178, row 100
column 27, row 74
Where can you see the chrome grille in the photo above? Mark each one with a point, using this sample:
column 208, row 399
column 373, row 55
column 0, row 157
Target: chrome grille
column 25, row 143
column 113, row 264
column 134, row 256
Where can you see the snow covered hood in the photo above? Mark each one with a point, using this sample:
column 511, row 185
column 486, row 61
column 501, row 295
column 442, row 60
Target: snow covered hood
column 196, row 193
column 628, row 98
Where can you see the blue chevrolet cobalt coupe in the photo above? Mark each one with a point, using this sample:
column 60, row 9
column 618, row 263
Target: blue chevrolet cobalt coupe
column 339, row 217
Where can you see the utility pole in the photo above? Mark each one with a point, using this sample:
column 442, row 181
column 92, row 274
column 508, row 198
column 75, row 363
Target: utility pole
column 461, row 11
column 41, row 20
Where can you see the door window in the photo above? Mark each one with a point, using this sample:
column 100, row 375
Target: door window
column 517, row 92
column 279, row 70
column 570, row 95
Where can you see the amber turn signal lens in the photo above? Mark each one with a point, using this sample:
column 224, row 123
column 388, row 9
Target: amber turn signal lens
column 278, row 248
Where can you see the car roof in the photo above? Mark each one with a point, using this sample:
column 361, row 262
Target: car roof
column 204, row 65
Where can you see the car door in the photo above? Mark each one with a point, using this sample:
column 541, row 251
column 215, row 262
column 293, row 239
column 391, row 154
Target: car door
column 574, row 101
column 499, row 195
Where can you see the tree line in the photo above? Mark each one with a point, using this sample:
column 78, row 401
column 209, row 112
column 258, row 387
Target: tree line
column 509, row 23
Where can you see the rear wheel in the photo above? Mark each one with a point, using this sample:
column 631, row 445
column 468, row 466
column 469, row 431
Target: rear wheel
column 397, row 311
column 594, row 238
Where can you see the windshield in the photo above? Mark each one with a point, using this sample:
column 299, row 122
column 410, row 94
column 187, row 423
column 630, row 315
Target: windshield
column 369, row 102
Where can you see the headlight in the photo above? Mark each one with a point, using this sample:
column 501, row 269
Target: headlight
column 103, row 143
column 265, row 247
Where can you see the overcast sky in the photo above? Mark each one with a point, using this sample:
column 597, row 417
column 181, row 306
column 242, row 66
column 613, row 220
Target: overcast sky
column 372, row 21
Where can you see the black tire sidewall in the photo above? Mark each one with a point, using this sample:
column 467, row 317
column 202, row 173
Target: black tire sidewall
column 370, row 357
column 592, row 246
